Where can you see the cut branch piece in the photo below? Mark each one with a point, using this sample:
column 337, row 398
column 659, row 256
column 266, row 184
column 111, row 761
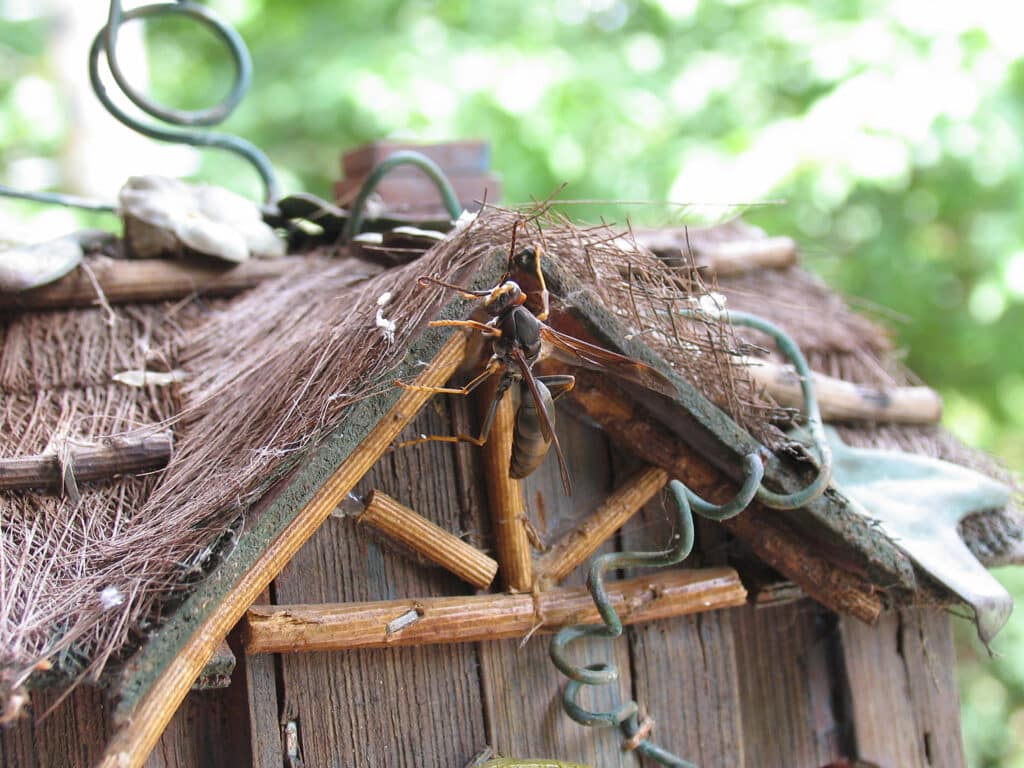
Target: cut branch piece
column 816, row 571
column 141, row 727
column 845, row 401
column 133, row 452
column 722, row 257
column 580, row 543
column 436, row 544
column 344, row 626
column 508, row 507
column 128, row 281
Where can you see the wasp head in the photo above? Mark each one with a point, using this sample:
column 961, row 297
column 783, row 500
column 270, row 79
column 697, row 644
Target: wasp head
column 504, row 296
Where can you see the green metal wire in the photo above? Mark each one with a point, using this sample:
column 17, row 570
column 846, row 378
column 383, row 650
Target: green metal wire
column 811, row 411
column 385, row 166
column 686, row 502
column 106, row 43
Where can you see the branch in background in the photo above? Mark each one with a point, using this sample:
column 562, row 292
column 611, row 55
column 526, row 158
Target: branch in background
column 128, row 281
column 141, row 450
column 845, row 401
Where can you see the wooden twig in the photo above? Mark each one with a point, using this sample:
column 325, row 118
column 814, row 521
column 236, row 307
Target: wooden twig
column 141, row 450
column 845, row 401
column 508, row 507
column 820, row 576
column 124, row 281
column 580, row 543
column 344, row 626
column 133, row 741
column 723, row 257
column 402, row 524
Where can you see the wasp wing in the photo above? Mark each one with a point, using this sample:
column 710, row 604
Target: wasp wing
column 546, row 427
column 578, row 352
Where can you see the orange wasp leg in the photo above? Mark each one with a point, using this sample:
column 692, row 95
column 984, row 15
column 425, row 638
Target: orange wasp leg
column 484, row 328
column 492, row 368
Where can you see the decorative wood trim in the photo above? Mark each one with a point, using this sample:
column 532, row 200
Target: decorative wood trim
column 133, row 741
column 344, row 626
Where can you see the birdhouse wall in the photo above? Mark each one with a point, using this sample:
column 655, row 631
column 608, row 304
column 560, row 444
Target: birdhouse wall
column 790, row 685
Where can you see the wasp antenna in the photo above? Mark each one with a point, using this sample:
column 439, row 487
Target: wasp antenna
column 427, row 280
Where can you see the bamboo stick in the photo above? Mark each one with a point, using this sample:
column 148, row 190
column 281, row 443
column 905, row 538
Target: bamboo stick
column 508, row 507
column 135, row 739
column 580, row 543
column 723, row 257
column 129, row 453
column 345, row 626
column 125, row 281
column 818, row 574
column 845, row 401
column 397, row 521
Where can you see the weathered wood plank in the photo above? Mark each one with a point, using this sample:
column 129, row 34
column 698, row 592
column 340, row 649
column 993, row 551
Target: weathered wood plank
column 204, row 731
column 522, row 689
column 394, row 707
column 684, row 669
column 787, row 684
column 904, row 704
column 260, row 679
column 73, row 734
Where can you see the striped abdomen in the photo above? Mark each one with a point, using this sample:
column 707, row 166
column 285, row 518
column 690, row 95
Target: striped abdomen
column 529, row 447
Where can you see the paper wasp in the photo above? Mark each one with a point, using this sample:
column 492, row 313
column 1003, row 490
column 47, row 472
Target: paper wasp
column 518, row 333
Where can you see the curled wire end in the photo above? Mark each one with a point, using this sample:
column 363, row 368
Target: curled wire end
column 105, row 43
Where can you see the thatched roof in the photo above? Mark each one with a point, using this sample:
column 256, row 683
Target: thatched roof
column 272, row 372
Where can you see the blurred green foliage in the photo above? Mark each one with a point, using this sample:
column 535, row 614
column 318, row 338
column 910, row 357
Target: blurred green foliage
column 889, row 129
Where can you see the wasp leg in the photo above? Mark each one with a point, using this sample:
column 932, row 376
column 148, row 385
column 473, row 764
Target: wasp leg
column 492, row 368
column 558, row 384
column 544, row 296
column 484, row 328
column 485, row 428
column 460, row 438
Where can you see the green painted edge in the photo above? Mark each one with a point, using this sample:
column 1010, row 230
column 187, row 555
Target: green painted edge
column 144, row 668
column 830, row 514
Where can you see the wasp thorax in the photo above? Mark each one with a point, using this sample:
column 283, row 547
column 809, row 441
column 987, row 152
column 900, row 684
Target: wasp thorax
column 506, row 295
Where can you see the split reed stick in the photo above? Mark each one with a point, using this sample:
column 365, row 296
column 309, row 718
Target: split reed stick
column 135, row 739
column 508, row 506
column 425, row 537
column 580, row 543
column 345, row 626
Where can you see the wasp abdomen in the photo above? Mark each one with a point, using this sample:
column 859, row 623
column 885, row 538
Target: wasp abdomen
column 529, row 447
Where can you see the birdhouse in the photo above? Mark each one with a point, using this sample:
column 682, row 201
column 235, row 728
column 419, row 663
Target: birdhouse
column 324, row 509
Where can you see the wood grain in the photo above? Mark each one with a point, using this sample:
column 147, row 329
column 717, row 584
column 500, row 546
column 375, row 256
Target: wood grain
column 508, row 507
column 521, row 688
column 684, row 669
column 902, row 682
column 787, row 702
column 396, row 707
column 584, row 540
